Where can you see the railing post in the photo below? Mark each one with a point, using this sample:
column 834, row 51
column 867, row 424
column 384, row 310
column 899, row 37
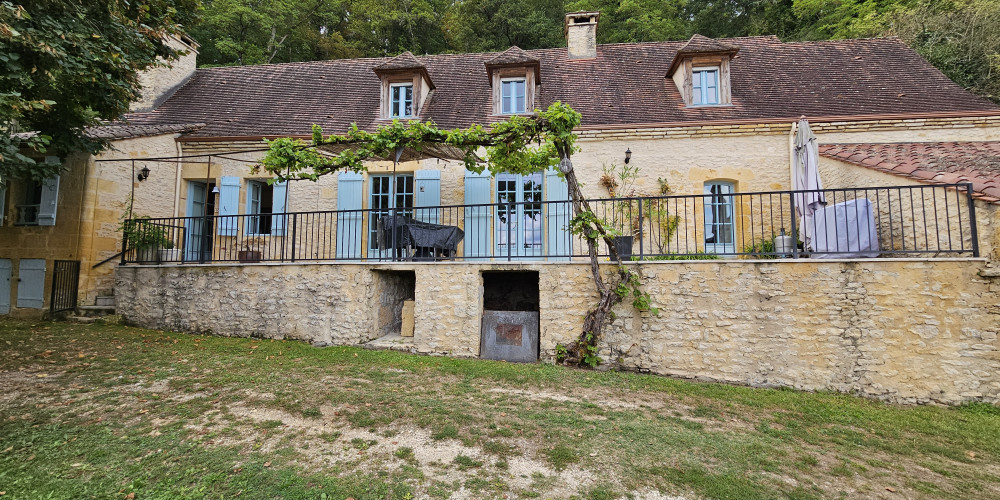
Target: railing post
column 125, row 229
column 972, row 220
column 795, row 228
column 640, row 230
column 510, row 221
column 295, row 220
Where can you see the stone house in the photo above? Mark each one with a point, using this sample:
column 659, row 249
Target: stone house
column 711, row 118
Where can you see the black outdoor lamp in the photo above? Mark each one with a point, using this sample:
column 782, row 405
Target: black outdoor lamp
column 143, row 174
column 628, row 155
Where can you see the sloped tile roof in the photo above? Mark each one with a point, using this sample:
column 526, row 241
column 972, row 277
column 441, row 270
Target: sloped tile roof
column 932, row 162
column 402, row 62
column 513, row 55
column 699, row 44
column 623, row 85
column 126, row 131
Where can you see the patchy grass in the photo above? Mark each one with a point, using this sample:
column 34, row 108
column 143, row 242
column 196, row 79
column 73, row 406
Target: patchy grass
column 103, row 411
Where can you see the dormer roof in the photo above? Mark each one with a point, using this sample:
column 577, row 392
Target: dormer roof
column 403, row 63
column 701, row 45
column 512, row 57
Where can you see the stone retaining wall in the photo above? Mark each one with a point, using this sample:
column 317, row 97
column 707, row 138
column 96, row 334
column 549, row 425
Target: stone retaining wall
column 898, row 330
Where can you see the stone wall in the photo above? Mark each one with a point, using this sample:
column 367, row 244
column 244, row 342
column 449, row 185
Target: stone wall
column 897, row 330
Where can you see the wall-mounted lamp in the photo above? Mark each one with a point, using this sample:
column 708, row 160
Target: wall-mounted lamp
column 628, row 155
column 143, row 174
column 215, row 189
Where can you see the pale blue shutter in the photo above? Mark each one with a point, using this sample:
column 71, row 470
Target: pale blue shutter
column 558, row 216
column 31, row 283
column 427, row 193
column 3, row 204
column 279, row 196
column 49, row 203
column 477, row 219
column 5, row 269
column 229, row 206
column 349, row 216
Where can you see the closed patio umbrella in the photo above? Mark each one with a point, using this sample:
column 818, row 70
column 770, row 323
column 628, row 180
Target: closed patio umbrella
column 806, row 178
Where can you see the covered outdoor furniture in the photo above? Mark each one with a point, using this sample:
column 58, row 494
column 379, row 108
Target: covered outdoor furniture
column 420, row 240
column 845, row 230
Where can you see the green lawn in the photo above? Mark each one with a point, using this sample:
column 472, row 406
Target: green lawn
column 105, row 411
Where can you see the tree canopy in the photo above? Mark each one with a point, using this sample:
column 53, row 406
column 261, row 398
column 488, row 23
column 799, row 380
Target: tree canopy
column 68, row 64
column 958, row 36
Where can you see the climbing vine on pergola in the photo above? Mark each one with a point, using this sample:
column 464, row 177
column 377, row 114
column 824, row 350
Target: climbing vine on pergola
column 519, row 145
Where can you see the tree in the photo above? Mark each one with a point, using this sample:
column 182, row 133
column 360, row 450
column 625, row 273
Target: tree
column 69, row 64
column 519, row 145
column 496, row 25
column 624, row 21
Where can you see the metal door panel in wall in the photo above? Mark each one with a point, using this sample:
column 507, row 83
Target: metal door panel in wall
column 510, row 336
column 31, row 283
column 5, row 267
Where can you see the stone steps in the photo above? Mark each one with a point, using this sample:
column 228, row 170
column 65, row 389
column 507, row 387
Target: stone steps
column 95, row 311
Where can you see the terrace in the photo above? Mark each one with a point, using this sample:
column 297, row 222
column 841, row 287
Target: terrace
column 925, row 221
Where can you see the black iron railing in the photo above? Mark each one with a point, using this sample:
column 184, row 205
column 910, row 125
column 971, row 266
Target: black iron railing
column 896, row 221
column 65, row 286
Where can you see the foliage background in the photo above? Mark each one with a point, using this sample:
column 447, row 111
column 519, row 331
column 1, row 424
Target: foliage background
column 960, row 37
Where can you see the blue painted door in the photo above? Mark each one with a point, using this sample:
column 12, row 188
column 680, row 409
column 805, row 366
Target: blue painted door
column 31, row 283
column 5, row 268
column 196, row 241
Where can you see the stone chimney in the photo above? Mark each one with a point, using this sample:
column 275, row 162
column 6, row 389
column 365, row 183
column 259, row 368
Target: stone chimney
column 160, row 82
column 581, row 34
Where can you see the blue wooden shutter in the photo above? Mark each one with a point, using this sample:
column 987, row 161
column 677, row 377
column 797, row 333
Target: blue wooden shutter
column 5, row 269
column 278, row 196
column 349, row 223
column 229, row 206
column 427, row 193
column 31, row 283
column 558, row 216
column 477, row 219
column 50, row 202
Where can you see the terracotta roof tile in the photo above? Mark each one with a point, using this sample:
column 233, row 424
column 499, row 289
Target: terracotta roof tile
column 513, row 55
column 939, row 162
column 623, row 85
column 699, row 44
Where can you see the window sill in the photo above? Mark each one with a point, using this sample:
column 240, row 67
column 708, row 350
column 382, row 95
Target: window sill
column 709, row 106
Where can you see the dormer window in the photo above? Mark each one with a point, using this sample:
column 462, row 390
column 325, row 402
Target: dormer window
column 700, row 70
column 704, row 86
column 406, row 87
column 512, row 97
column 402, row 100
column 514, row 78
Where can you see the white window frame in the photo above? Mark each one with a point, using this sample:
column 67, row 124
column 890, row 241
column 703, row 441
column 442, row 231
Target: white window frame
column 504, row 99
column 402, row 101
column 697, row 91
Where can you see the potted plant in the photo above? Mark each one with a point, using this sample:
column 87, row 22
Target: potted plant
column 624, row 217
column 146, row 239
column 251, row 251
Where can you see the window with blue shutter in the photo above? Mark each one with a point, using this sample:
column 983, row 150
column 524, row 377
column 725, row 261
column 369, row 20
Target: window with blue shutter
column 229, row 200
column 558, row 213
column 512, row 96
column 279, row 196
column 31, row 283
column 427, row 193
column 477, row 219
column 49, row 202
column 402, row 100
column 720, row 226
column 349, row 215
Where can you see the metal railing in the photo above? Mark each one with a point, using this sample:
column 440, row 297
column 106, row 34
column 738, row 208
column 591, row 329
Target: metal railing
column 65, row 286
column 896, row 221
column 27, row 215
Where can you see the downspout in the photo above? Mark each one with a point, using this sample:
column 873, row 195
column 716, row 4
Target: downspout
column 791, row 155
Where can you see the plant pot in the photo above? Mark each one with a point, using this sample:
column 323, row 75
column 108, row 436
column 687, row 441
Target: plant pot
column 170, row 255
column 149, row 255
column 623, row 244
column 247, row 256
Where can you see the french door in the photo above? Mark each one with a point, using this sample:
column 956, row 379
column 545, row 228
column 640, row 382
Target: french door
column 518, row 222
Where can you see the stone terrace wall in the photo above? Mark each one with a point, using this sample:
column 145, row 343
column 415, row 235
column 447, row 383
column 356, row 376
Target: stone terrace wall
column 898, row 330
